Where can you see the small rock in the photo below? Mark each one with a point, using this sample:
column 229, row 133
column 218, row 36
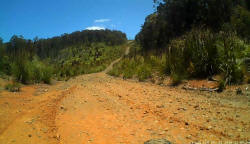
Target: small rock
column 189, row 137
column 158, row 141
column 186, row 123
column 57, row 137
column 209, row 127
column 184, row 109
column 166, row 129
column 90, row 140
column 29, row 135
column 196, row 107
column 160, row 106
column 162, row 133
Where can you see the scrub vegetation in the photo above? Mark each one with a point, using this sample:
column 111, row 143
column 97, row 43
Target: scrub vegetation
column 40, row 60
column 192, row 39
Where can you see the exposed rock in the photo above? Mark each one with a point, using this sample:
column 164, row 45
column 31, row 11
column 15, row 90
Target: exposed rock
column 160, row 106
column 188, row 136
column 209, row 127
column 158, row 141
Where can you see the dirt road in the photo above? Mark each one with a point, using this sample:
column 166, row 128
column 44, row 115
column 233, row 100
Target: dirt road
column 100, row 109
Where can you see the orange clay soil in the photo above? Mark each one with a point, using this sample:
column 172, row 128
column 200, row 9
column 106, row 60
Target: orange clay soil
column 100, row 109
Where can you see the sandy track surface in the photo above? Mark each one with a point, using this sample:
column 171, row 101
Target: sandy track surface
column 100, row 109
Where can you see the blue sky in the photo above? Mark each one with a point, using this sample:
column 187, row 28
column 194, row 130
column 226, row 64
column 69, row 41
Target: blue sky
column 48, row 18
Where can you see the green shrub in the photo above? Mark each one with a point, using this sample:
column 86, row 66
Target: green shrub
column 114, row 72
column 231, row 57
column 46, row 75
column 241, row 22
column 5, row 65
column 35, row 71
column 176, row 64
column 201, row 53
column 85, row 59
column 22, row 71
column 144, row 72
column 14, row 87
column 139, row 67
column 176, row 78
column 41, row 72
column 128, row 68
column 222, row 85
column 194, row 53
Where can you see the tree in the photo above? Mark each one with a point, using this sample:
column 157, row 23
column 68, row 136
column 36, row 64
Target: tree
column 240, row 21
column 173, row 18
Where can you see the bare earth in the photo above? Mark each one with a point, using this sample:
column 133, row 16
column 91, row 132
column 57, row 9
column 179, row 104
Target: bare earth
column 100, row 109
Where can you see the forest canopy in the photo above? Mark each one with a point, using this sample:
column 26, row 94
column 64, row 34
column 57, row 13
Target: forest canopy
column 192, row 39
column 30, row 61
column 173, row 18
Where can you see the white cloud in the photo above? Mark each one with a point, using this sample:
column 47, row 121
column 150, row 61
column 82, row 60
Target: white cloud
column 102, row 20
column 95, row 28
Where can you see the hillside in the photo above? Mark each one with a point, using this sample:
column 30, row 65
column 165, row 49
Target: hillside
column 97, row 108
column 62, row 57
column 184, row 79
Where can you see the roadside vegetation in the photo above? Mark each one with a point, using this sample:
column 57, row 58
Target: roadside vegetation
column 13, row 87
column 40, row 60
column 137, row 66
column 187, row 39
column 83, row 59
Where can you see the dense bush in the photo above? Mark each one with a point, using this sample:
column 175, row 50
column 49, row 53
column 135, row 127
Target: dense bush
column 4, row 65
column 4, row 60
column 81, row 52
column 84, row 59
column 139, row 67
column 194, row 53
column 21, row 71
column 35, row 71
column 13, row 87
column 49, row 48
column 42, row 72
column 174, row 18
column 176, row 64
column 199, row 38
column 240, row 21
column 232, row 55
column 201, row 53
column 143, row 72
